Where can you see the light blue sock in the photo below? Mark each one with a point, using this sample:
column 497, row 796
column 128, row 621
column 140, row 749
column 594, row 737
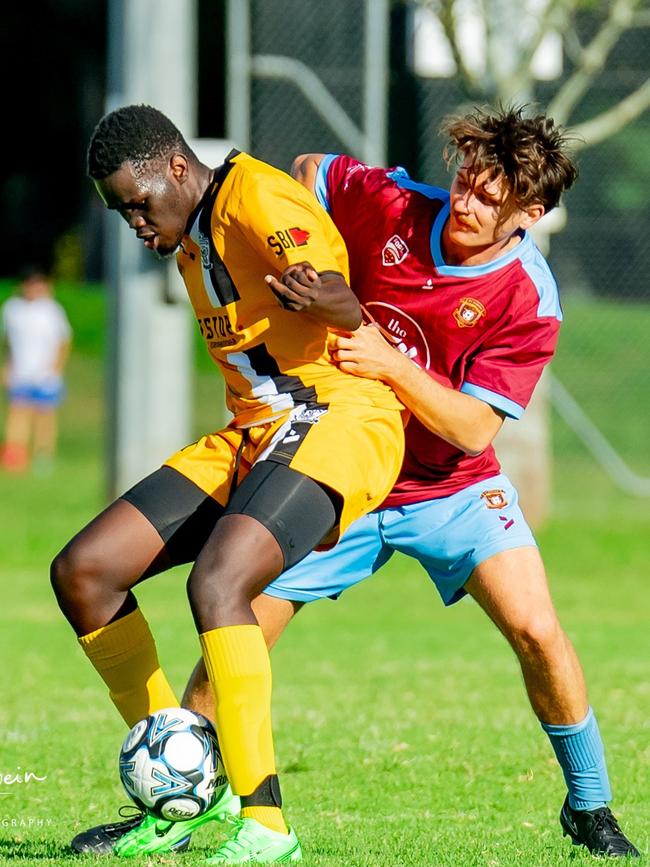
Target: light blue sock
column 579, row 750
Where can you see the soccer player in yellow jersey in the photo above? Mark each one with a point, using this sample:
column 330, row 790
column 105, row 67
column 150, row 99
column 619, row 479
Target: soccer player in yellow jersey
column 309, row 450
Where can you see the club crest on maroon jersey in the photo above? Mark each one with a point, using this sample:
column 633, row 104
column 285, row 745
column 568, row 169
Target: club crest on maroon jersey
column 468, row 312
column 395, row 251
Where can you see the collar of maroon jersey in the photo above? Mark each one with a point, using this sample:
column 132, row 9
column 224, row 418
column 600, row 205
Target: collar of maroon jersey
column 520, row 251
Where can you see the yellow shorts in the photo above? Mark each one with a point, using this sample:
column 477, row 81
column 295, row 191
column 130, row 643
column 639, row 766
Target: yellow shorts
column 355, row 450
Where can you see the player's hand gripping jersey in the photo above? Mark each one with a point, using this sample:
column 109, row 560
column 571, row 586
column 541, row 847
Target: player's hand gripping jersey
column 255, row 220
column 486, row 330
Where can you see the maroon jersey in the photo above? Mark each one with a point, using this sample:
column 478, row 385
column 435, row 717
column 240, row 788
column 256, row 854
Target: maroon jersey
column 486, row 330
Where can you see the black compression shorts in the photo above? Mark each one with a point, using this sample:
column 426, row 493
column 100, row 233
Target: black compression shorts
column 298, row 511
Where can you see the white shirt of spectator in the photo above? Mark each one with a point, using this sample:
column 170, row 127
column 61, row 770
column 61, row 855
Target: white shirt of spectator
column 35, row 332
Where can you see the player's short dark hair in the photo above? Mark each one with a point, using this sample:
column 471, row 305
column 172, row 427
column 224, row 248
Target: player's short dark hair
column 135, row 134
column 530, row 152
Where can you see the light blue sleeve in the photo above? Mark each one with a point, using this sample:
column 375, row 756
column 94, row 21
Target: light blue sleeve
column 320, row 187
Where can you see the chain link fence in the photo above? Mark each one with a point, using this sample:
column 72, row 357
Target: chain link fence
column 328, row 38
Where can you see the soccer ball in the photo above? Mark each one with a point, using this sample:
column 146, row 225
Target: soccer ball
column 170, row 764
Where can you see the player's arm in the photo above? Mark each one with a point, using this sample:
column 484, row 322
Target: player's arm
column 334, row 304
column 316, row 286
column 325, row 296
column 305, row 168
column 464, row 421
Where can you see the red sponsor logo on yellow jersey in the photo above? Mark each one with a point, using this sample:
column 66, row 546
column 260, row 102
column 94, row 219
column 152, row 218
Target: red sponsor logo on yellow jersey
column 286, row 239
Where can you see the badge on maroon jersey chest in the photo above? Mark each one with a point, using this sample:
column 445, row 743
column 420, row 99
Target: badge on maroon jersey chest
column 395, row 250
column 468, row 312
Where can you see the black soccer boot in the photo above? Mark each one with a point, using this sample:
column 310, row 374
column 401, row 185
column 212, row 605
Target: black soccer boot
column 597, row 830
column 102, row 839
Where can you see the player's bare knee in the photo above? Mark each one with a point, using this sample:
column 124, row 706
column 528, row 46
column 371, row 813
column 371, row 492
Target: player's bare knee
column 213, row 595
column 538, row 636
column 62, row 574
column 75, row 575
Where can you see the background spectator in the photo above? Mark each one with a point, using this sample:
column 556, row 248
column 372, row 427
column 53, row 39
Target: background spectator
column 37, row 335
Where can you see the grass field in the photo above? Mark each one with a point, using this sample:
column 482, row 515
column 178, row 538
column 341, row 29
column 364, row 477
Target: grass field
column 402, row 730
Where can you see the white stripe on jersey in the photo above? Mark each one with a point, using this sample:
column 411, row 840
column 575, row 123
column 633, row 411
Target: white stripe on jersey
column 263, row 388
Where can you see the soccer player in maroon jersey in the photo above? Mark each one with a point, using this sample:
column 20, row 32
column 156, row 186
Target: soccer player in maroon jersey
column 463, row 314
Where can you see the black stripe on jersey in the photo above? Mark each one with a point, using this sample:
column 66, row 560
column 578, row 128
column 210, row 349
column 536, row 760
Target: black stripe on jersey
column 264, row 364
column 222, row 283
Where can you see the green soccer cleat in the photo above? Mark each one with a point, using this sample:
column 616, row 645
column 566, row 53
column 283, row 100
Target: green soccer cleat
column 143, row 833
column 252, row 842
column 158, row 835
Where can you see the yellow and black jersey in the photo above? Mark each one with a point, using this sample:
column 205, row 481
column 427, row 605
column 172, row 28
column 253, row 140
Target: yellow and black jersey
column 255, row 220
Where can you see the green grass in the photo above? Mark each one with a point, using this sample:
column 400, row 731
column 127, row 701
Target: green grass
column 602, row 359
column 402, row 730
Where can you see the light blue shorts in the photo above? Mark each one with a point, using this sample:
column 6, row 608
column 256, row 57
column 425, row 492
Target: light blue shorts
column 39, row 394
column 448, row 536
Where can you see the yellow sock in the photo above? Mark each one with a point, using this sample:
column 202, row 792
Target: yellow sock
column 239, row 669
column 271, row 817
column 124, row 654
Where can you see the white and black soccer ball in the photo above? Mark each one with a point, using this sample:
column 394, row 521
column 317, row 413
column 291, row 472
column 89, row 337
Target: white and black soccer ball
column 170, row 764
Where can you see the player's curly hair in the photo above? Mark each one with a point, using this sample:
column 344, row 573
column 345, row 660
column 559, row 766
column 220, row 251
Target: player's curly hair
column 134, row 134
column 530, row 152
